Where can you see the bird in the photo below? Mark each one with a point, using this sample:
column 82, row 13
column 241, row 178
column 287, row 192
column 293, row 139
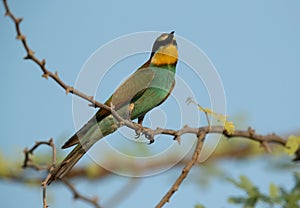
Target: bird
column 148, row 87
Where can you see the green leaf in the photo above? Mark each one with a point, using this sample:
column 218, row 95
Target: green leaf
column 199, row 206
column 236, row 200
column 246, row 183
column 273, row 191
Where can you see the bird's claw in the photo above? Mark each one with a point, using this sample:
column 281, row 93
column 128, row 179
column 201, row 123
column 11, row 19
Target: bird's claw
column 138, row 131
column 137, row 135
column 149, row 136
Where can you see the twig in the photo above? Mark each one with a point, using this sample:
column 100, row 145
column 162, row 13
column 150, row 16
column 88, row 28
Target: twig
column 185, row 170
column 45, row 205
column 47, row 73
column 28, row 161
column 249, row 134
column 93, row 201
column 68, row 89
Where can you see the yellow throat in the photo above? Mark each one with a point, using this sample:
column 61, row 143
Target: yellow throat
column 165, row 55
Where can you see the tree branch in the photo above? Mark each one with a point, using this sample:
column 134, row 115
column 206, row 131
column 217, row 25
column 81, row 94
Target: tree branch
column 28, row 163
column 93, row 201
column 185, row 170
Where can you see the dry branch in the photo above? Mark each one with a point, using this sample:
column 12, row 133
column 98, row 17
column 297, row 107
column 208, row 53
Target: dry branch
column 28, row 163
column 185, row 170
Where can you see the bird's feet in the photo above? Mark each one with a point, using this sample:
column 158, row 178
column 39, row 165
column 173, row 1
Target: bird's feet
column 140, row 130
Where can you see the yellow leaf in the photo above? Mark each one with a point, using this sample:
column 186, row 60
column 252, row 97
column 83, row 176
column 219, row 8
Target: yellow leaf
column 208, row 111
column 229, row 127
column 292, row 144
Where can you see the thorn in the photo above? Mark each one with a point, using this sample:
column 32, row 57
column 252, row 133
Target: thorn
column 69, row 89
column 7, row 13
column 25, row 150
column 43, row 63
column 21, row 37
column 251, row 131
column 45, row 75
column 30, row 52
column 56, row 74
column 95, row 199
column 18, row 20
column 266, row 147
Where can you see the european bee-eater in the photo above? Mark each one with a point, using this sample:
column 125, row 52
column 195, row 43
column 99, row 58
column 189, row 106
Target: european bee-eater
column 146, row 88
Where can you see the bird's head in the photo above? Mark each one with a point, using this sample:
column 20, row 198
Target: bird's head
column 164, row 50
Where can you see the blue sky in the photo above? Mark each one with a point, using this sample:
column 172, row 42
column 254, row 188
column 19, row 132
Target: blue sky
column 254, row 46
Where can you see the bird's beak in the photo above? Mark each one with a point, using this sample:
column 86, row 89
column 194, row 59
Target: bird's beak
column 170, row 37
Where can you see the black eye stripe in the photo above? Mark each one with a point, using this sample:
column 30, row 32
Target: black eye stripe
column 167, row 41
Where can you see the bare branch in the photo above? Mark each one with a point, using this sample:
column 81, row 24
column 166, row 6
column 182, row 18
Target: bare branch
column 93, row 201
column 42, row 64
column 185, row 171
column 28, row 163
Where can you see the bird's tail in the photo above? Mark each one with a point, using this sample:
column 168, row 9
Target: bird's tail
column 95, row 133
column 66, row 165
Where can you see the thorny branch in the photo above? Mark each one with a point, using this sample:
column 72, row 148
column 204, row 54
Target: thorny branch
column 201, row 132
column 185, row 170
column 93, row 201
column 47, row 73
column 28, row 163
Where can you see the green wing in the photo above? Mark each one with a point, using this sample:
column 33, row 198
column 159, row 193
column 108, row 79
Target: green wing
column 129, row 91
